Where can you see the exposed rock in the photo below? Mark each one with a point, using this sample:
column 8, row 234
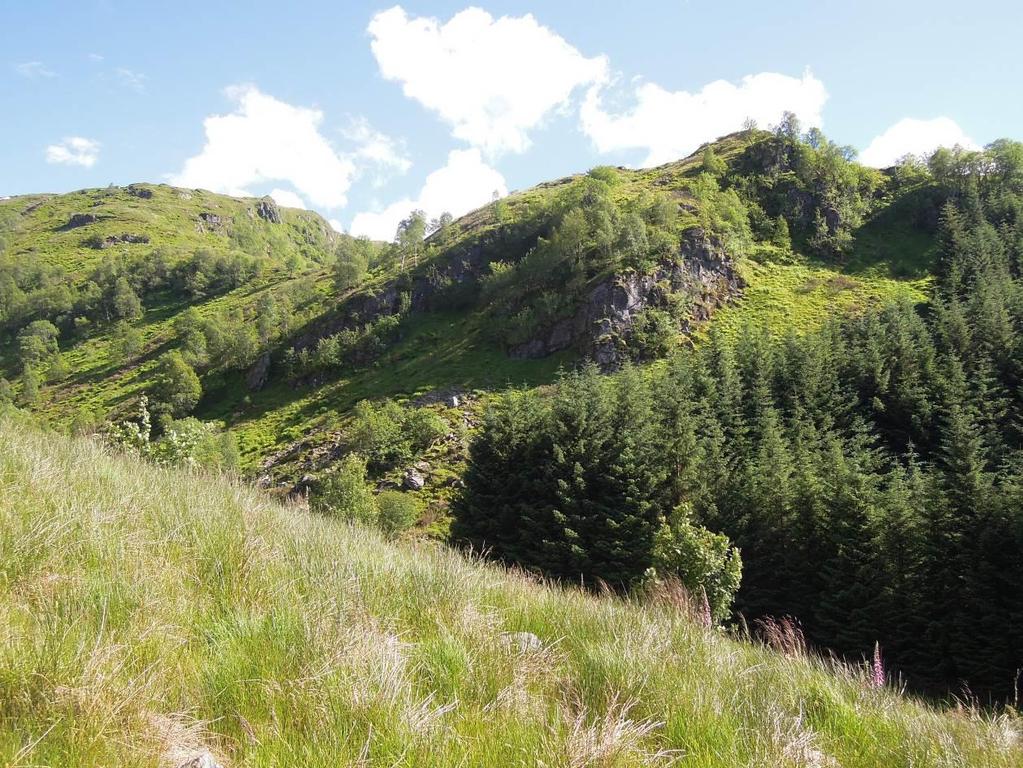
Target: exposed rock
column 600, row 326
column 522, row 642
column 142, row 192
column 113, row 240
column 80, row 220
column 259, row 373
column 427, row 292
column 413, row 479
column 204, row 760
column 422, row 466
column 301, row 488
column 210, row 222
column 267, row 209
column 530, row 350
column 451, row 398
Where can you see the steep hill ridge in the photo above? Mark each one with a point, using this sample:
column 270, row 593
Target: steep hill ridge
column 613, row 265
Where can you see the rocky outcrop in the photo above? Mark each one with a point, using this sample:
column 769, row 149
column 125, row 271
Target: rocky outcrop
column 141, row 192
column 259, row 373
column 128, row 238
column 210, row 222
column 267, row 210
column 413, row 479
column 703, row 273
column 428, row 290
column 80, row 220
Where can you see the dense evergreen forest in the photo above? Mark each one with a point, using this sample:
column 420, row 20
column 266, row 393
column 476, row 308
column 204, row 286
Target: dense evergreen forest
column 869, row 474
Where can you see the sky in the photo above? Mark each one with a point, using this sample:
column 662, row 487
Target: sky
column 364, row 111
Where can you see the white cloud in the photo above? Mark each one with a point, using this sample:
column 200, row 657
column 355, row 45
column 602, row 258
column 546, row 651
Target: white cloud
column 136, row 81
column 336, row 225
column 671, row 124
column 96, row 57
column 377, row 149
column 491, row 79
column 74, row 150
column 287, row 198
column 33, row 69
column 914, row 137
column 264, row 140
column 464, row 183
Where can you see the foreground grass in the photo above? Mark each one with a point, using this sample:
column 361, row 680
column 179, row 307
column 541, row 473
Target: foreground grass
column 148, row 614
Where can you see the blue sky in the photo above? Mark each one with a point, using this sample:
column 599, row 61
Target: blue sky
column 364, row 110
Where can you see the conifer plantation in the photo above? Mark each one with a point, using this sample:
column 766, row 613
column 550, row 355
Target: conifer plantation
column 869, row 473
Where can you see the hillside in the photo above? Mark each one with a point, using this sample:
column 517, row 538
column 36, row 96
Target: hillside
column 148, row 615
column 307, row 324
column 64, row 255
column 788, row 380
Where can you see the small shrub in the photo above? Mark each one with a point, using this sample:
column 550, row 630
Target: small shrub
column 703, row 561
column 397, row 512
column 344, row 493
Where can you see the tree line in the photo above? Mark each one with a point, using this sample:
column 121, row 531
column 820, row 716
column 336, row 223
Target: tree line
column 869, row 474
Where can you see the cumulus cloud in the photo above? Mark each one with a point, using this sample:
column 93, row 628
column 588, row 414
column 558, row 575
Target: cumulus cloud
column 914, row 137
column 491, row 79
column 265, row 140
column 385, row 155
column 671, row 124
column 74, row 150
column 34, row 69
column 287, row 198
column 464, row 183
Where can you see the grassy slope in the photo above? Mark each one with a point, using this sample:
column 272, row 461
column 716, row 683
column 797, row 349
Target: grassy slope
column 146, row 614
column 169, row 218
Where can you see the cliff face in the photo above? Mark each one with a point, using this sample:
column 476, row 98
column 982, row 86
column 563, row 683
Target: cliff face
column 703, row 275
column 700, row 278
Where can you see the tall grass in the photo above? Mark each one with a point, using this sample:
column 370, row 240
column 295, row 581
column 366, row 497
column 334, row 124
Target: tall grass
column 147, row 615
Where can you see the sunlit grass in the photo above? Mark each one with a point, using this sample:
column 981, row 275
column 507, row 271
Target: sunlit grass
column 146, row 615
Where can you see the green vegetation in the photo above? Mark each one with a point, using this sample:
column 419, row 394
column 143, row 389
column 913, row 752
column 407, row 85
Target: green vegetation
column 869, row 472
column 150, row 614
column 577, row 487
column 339, row 366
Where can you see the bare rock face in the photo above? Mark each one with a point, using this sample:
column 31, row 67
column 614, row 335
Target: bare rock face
column 703, row 272
column 413, row 480
column 268, row 211
column 259, row 373
column 210, row 222
column 141, row 192
column 110, row 241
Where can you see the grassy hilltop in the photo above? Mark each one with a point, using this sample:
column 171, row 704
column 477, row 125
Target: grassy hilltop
column 149, row 615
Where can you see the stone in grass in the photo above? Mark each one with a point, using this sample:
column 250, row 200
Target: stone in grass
column 522, row 642
column 203, row 760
